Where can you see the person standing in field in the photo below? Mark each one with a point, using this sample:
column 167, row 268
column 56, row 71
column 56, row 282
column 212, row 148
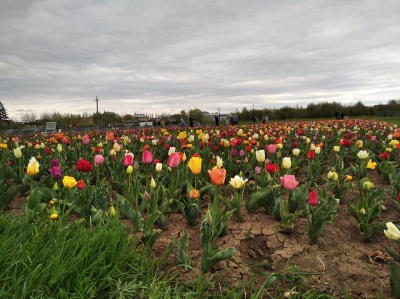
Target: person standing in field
column 191, row 119
column 235, row 119
column 216, row 120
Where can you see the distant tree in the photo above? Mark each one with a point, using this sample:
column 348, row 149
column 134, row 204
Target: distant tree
column 3, row 113
column 197, row 114
column 184, row 115
column 28, row 118
column 128, row 117
column 246, row 114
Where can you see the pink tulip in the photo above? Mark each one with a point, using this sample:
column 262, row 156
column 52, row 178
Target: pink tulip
column 147, row 157
column 271, row 148
column 98, row 159
column 289, row 182
column 85, row 139
column 128, row 159
column 174, row 160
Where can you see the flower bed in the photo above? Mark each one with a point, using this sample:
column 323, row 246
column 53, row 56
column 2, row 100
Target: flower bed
column 236, row 199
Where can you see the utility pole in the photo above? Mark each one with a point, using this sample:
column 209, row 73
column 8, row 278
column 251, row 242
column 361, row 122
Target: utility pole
column 97, row 111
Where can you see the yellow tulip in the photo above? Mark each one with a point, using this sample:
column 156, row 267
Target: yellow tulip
column 371, row 165
column 69, row 182
column 152, row 183
column 195, row 164
column 129, row 169
column 348, row 178
column 33, row 167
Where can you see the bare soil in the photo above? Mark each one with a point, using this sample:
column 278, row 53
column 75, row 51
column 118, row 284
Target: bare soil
column 340, row 264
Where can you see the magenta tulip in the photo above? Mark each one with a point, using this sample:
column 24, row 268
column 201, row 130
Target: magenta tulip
column 128, row 159
column 147, row 157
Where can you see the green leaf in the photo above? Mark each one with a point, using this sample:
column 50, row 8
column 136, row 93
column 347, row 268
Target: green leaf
column 183, row 251
column 7, row 197
column 258, row 198
column 394, row 279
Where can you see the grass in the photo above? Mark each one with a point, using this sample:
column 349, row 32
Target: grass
column 51, row 260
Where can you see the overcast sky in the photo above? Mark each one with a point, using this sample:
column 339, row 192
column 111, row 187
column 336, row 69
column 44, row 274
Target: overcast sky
column 159, row 56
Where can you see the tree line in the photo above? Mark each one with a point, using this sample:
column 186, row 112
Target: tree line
column 311, row 111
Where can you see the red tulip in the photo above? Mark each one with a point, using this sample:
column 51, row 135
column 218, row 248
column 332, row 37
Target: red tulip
column 81, row 185
column 313, row 199
column 310, row 155
column 272, row 168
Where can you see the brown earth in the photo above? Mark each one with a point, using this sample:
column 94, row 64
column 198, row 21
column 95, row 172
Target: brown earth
column 340, row 263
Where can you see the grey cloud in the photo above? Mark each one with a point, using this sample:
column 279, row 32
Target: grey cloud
column 174, row 55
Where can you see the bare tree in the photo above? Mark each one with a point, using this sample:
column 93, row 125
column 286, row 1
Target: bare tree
column 29, row 118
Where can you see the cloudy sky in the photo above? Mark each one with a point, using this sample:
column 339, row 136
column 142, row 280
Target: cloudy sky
column 159, row 56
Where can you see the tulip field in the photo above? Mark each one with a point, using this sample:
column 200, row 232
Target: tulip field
column 305, row 209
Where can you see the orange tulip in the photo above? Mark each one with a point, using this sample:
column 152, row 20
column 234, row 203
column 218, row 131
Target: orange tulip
column 110, row 136
column 217, row 175
column 59, row 136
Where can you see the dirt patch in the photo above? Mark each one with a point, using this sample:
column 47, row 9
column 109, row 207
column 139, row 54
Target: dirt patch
column 340, row 263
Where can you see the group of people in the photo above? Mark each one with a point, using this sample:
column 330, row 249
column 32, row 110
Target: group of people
column 339, row 115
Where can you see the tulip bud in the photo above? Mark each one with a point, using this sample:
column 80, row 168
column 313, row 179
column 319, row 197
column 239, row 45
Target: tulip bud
column 209, row 220
column 113, row 212
column 59, row 148
column 152, row 183
column 219, row 162
column 146, row 196
column 368, row 186
column 286, row 163
column 55, row 186
column 18, row 152
column 296, row 152
column 159, row 167
column 332, row 175
column 129, row 169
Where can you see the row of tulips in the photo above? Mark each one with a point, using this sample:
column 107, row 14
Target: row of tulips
column 283, row 168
